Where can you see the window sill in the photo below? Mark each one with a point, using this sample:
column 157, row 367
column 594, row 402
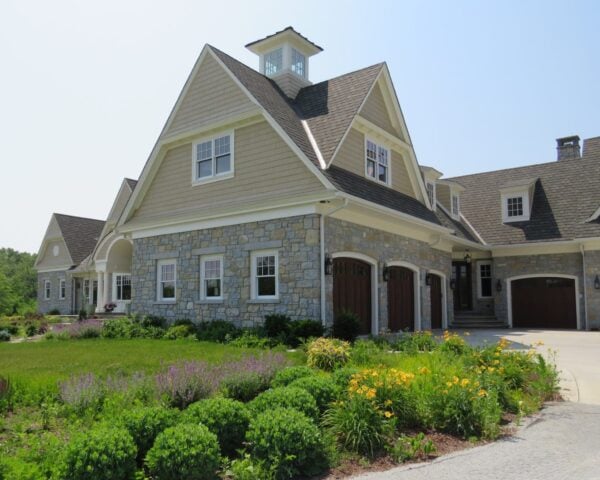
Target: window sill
column 211, row 301
column 165, row 302
column 263, row 300
column 215, row 178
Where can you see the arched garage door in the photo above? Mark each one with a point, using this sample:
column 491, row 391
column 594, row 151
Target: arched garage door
column 352, row 290
column 401, row 299
column 544, row 302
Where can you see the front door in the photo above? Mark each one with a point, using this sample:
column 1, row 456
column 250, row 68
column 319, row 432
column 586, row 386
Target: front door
column 435, row 295
column 352, row 290
column 121, row 291
column 461, row 274
column 401, row 299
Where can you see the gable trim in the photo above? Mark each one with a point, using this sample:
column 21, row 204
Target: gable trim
column 46, row 240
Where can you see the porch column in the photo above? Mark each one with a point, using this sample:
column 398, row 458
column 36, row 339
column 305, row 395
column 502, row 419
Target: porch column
column 100, row 304
column 106, row 289
column 90, row 292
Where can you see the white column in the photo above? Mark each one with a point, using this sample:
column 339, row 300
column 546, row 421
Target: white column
column 100, row 304
column 106, row 288
column 90, row 292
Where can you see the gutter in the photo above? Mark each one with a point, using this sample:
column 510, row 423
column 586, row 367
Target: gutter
column 322, row 242
column 585, row 303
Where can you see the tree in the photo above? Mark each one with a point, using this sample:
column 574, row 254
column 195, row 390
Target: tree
column 18, row 281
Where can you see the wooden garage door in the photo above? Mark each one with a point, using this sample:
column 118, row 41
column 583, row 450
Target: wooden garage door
column 352, row 290
column 435, row 296
column 544, row 302
column 401, row 299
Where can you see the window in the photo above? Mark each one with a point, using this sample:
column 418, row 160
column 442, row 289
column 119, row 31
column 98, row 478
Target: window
column 298, row 63
column 211, row 278
column 62, row 288
column 274, row 62
column 213, row 158
column 122, row 286
column 514, row 206
column 431, row 193
column 484, row 279
column 264, row 275
column 166, row 280
column 47, row 289
column 86, row 291
column 455, row 206
column 377, row 166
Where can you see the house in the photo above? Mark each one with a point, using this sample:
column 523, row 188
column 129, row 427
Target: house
column 267, row 193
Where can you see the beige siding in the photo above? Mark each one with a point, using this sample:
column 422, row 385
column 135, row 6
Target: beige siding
column 48, row 260
column 290, row 83
column 119, row 204
column 375, row 111
column 211, row 97
column 265, row 167
column 351, row 156
column 443, row 195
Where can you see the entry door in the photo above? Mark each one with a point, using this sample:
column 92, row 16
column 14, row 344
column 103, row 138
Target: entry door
column 401, row 299
column 121, row 291
column 352, row 290
column 435, row 295
column 461, row 273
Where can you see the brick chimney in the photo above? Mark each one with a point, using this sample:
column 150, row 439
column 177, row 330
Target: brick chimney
column 567, row 148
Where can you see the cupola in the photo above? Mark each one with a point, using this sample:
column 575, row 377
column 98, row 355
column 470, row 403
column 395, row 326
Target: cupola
column 284, row 58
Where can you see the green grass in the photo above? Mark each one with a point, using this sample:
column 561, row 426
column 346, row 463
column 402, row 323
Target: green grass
column 46, row 362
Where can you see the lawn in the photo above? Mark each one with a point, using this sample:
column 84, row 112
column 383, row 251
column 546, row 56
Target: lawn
column 46, row 362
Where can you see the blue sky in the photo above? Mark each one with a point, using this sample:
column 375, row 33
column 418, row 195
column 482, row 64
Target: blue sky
column 86, row 87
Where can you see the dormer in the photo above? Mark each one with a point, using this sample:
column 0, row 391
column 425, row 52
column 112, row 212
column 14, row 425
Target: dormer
column 284, row 58
column 448, row 194
column 517, row 199
column 430, row 178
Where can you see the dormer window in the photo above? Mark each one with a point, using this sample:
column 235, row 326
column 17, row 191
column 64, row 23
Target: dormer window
column 516, row 197
column 514, row 206
column 455, row 206
column 377, row 162
column 274, row 62
column 298, row 63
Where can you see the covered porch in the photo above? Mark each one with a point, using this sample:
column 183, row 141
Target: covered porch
column 113, row 275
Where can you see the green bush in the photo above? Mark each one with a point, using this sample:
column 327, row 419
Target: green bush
column 118, row 328
column 341, row 377
column 228, row 419
column 145, row 423
column 103, row 453
column 244, row 386
column 346, row 326
column 54, row 311
column 303, row 329
column 285, row 397
column 367, row 352
column 250, row 340
column 286, row 376
column 321, row 389
column 4, row 336
column 277, row 326
column 184, row 452
column 179, row 331
column 152, row 321
column 216, row 331
column 415, row 342
column 288, row 443
column 328, row 353
column 30, row 330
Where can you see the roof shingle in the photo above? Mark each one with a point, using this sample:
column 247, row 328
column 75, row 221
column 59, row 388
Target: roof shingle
column 80, row 234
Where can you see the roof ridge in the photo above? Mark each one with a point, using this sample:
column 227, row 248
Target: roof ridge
column 337, row 77
column 76, row 216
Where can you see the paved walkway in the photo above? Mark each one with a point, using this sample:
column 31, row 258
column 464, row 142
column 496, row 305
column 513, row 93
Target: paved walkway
column 561, row 443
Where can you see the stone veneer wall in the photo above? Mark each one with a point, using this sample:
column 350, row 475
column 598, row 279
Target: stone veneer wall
column 295, row 238
column 65, row 305
column 341, row 236
column 507, row 267
column 592, row 268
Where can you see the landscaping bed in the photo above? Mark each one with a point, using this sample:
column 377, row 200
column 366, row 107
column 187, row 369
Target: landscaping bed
column 116, row 407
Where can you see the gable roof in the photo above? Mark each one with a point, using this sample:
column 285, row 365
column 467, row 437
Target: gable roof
column 286, row 29
column 566, row 194
column 80, row 234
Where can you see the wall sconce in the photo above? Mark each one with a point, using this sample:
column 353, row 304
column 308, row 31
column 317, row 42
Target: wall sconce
column 386, row 273
column 467, row 257
column 328, row 265
column 428, row 279
column 452, row 284
column 499, row 285
column 597, row 283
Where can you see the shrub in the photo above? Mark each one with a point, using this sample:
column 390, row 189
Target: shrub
column 408, row 448
column 4, row 336
column 367, row 352
column 277, row 326
column 103, row 453
column 117, row 328
column 31, row 330
column 303, row 329
column 247, row 468
column 416, row 342
column 54, row 311
column 320, row 388
column 179, row 331
column 83, row 314
column 186, row 452
column 186, row 383
column 82, row 392
column 251, row 340
column 328, row 354
column 346, row 326
column 285, row 397
column 453, row 343
column 144, row 424
column 287, row 442
column 152, row 321
column 81, row 329
column 216, row 331
column 244, row 386
column 286, row 376
column 341, row 376
column 228, row 419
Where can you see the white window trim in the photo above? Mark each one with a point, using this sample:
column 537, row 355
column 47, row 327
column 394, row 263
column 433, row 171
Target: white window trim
column 114, row 285
column 283, row 62
column 62, row 295
column 480, row 295
column 292, row 62
column 47, row 289
column 215, row 177
column 434, row 200
column 526, row 206
column 453, row 214
column 253, row 277
column 203, row 261
column 389, row 165
column 159, row 264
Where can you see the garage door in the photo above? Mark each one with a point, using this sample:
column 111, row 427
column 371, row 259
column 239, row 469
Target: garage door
column 352, row 290
column 544, row 302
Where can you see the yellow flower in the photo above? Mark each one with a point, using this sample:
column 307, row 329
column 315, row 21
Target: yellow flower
column 455, row 380
column 371, row 393
column 423, row 370
column 496, row 362
column 449, row 384
column 491, row 369
column 445, row 392
column 464, row 382
column 387, row 403
column 482, row 393
column 388, row 414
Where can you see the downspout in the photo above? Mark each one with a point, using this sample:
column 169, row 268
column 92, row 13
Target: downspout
column 322, row 241
column 585, row 305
